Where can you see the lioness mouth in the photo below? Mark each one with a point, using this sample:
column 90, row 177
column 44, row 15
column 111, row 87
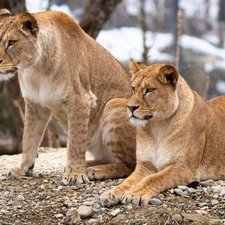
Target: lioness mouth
column 14, row 70
column 147, row 117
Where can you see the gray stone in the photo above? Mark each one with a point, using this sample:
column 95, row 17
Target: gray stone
column 68, row 203
column 178, row 192
column 214, row 202
column 155, row 201
column 207, row 183
column 59, row 215
column 89, row 190
column 6, row 194
column 91, row 221
column 88, row 203
column 129, row 207
column 182, row 188
column 202, row 212
column 85, row 211
column 115, row 212
column 19, row 198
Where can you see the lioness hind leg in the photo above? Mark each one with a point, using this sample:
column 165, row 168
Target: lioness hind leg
column 108, row 171
column 115, row 156
column 93, row 162
column 118, row 140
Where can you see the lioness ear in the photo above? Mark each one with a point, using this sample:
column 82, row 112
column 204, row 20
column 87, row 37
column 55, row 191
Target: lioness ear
column 136, row 66
column 4, row 13
column 27, row 23
column 168, row 75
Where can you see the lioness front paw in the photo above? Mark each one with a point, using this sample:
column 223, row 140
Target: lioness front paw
column 111, row 197
column 94, row 173
column 137, row 196
column 17, row 172
column 71, row 176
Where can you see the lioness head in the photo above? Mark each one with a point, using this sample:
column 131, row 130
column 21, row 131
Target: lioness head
column 154, row 92
column 18, row 43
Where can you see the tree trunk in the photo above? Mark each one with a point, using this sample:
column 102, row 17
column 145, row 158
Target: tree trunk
column 14, row 6
column 51, row 138
column 221, row 18
column 143, row 24
column 12, row 86
column 96, row 14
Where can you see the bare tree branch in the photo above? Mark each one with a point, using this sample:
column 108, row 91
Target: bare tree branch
column 96, row 14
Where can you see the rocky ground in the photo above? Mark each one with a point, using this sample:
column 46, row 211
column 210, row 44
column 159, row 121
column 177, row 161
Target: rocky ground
column 43, row 199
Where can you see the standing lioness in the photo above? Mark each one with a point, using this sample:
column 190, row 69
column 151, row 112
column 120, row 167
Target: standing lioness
column 180, row 138
column 65, row 73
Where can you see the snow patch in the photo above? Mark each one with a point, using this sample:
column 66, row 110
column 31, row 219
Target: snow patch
column 220, row 86
column 127, row 42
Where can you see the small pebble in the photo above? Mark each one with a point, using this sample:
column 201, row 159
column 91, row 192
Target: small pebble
column 207, row 183
column 155, row 201
column 59, row 215
column 178, row 192
column 64, row 182
column 88, row 203
column 115, row 212
column 85, row 211
column 129, row 207
column 19, row 198
column 6, row 194
column 183, row 188
column 89, row 190
column 91, row 221
column 217, row 187
column 202, row 204
column 3, row 211
column 214, row 202
column 202, row 212
column 68, row 203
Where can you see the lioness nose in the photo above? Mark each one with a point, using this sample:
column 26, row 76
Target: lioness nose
column 132, row 108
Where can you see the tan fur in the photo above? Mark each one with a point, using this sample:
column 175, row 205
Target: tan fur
column 180, row 138
column 65, row 73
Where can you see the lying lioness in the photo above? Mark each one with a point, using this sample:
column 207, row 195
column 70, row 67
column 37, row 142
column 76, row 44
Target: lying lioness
column 180, row 138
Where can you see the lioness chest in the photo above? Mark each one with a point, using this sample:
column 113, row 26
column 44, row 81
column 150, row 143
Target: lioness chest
column 44, row 91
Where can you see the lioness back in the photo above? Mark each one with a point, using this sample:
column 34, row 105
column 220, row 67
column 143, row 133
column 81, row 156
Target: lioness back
column 212, row 166
column 105, row 71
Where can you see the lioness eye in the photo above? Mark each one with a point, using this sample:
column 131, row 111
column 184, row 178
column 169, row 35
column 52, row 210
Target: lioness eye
column 149, row 90
column 11, row 43
column 132, row 88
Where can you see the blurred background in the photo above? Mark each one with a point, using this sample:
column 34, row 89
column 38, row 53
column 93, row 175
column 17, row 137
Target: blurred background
column 149, row 31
